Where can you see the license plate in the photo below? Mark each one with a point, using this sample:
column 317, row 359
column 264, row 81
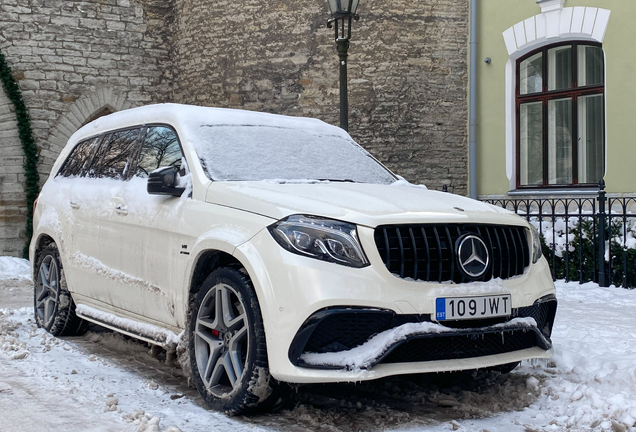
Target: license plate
column 458, row 308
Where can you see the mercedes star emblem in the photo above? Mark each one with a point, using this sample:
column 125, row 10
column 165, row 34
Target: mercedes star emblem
column 472, row 256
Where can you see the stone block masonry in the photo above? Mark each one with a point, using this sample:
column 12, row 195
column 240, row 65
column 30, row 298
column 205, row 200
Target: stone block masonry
column 407, row 73
column 12, row 190
column 76, row 60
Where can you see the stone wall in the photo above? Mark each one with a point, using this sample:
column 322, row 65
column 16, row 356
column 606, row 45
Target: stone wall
column 77, row 60
column 73, row 61
column 12, row 207
column 407, row 73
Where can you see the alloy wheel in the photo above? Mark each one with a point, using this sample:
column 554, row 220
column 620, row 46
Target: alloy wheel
column 47, row 290
column 221, row 339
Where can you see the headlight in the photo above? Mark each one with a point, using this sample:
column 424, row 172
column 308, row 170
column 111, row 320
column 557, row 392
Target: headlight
column 536, row 244
column 323, row 239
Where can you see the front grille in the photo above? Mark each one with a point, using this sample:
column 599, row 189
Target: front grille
column 428, row 252
column 446, row 347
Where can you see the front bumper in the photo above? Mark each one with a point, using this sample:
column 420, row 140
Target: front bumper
column 292, row 289
column 370, row 337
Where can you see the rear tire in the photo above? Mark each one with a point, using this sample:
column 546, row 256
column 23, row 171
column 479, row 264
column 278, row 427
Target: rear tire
column 53, row 305
column 228, row 355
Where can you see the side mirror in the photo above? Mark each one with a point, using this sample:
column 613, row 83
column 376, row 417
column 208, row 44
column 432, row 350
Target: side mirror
column 162, row 181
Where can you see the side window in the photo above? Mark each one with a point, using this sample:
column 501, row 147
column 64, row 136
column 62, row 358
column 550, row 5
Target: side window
column 160, row 149
column 79, row 158
column 113, row 158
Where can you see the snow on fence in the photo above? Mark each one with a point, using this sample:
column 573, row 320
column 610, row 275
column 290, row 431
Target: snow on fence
column 584, row 239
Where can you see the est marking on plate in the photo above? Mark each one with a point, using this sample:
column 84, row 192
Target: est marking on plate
column 458, row 308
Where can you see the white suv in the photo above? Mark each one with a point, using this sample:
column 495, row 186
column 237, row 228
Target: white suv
column 275, row 249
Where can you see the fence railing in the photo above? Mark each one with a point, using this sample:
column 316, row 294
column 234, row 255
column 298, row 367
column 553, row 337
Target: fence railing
column 584, row 239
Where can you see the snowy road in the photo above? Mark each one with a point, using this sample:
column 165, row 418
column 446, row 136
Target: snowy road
column 105, row 382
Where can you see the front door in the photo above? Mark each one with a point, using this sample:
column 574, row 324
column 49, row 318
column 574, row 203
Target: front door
column 139, row 233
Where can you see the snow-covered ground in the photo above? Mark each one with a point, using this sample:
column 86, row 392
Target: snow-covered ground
column 105, row 382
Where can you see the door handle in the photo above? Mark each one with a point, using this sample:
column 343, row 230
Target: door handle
column 74, row 205
column 121, row 210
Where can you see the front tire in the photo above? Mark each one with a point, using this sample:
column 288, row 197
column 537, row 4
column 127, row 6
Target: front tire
column 52, row 302
column 228, row 355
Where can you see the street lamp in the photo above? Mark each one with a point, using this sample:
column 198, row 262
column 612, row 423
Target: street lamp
column 342, row 14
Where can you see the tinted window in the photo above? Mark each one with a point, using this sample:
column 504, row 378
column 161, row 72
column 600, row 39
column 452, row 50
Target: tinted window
column 79, row 158
column 160, row 149
column 115, row 153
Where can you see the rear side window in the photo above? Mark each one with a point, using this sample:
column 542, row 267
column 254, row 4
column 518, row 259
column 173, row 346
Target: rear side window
column 160, row 149
column 115, row 154
column 79, row 159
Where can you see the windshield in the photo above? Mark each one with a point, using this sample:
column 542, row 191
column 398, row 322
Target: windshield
column 254, row 153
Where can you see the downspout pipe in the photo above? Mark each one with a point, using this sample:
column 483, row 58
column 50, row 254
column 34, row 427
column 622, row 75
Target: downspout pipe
column 472, row 104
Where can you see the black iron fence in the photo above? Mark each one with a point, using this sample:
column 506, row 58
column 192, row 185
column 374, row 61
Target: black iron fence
column 584, row 239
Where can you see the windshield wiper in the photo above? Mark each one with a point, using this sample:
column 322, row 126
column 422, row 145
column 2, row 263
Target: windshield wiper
column 339, row 180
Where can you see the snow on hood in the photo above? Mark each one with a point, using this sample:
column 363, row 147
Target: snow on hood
column 361, row 203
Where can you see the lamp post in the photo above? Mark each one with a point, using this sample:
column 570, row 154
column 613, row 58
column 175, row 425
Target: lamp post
column 343, row 12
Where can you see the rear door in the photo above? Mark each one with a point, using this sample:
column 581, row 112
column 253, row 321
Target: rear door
column 78, row 216
column 117, row 259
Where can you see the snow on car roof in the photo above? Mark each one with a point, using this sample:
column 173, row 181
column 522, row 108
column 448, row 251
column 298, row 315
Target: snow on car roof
column 190, row 116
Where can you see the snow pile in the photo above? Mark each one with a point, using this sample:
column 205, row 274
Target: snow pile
column 10, row 344
column 595, row 355
column 364, row 355
column 89, row 383
column 111, row 403
column 147, row 422
column 12, row 268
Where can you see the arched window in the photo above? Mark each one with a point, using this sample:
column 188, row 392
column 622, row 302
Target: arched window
column 560, row 116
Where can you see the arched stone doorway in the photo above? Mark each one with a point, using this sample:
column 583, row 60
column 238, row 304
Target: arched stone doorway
column 87, row 108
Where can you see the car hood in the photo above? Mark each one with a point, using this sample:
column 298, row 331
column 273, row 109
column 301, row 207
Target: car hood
column 363, row 204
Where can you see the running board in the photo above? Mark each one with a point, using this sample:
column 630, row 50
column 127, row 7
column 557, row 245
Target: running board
column 146, row 332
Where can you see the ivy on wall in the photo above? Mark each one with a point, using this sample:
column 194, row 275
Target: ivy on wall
column 32, row 177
